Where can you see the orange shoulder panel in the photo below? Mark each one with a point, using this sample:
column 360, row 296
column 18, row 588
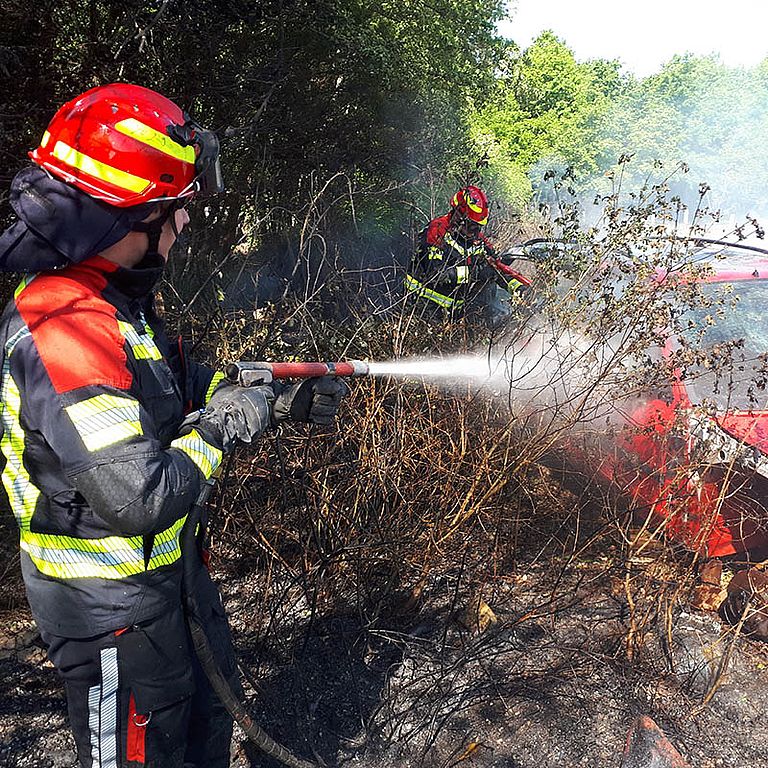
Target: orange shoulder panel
column 437, row 229
column 75, row 329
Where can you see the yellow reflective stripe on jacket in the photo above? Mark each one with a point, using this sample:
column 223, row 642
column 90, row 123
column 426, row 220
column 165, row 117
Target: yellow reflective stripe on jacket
column 25, row 281
column 435, row 253
column 152, row 138
column 475, row 249
column 74, row 159
column 104, row 420
column 111, row 557
column 218, row 377
column 22, row 492
column 450, row 241
column 413, row 285
column 207, row 457
column 142, row 345
column 462, row 274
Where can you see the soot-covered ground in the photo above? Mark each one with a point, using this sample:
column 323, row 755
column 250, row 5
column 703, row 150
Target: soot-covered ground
column 547, row 683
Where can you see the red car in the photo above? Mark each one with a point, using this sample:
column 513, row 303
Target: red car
column 693, row 453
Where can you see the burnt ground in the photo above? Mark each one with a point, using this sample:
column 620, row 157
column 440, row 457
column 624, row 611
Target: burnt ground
column 547, row 684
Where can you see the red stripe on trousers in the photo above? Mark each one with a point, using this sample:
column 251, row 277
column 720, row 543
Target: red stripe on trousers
column 137, row 731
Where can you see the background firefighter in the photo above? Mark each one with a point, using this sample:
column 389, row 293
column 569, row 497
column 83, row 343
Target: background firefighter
column 454, row 266
column 105, row 446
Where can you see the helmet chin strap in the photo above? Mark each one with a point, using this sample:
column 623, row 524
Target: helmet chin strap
column 154, row 230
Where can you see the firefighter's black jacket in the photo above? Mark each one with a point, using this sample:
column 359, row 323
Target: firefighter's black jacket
column 93, row 394
column 445, row 268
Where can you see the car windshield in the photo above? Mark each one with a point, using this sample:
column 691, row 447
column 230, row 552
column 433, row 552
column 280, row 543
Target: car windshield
column 735, row 340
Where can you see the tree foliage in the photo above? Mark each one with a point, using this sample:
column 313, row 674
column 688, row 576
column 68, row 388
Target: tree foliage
column 546, row 107
column 698, row 112
column 294, row 88
column 330, row 108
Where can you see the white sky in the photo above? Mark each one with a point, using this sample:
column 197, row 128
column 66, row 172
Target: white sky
column 644, row 34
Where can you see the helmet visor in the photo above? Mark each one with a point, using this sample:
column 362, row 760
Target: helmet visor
column 208, row 179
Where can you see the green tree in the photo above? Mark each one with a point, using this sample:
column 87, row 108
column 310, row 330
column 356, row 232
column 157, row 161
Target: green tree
column 546, row 108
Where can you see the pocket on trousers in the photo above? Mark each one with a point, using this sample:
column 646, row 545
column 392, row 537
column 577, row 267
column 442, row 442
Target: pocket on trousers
column 155, row 661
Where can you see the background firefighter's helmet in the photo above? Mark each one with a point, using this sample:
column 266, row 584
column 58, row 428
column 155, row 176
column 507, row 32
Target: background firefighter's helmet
column 471, row 203
column 126, row 145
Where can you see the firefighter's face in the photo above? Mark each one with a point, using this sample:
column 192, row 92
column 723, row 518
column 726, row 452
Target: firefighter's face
column 467, row 228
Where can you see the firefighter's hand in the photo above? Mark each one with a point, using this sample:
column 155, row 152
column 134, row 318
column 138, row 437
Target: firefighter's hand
column 235, row 415
column 485, row 271
column 313, row 400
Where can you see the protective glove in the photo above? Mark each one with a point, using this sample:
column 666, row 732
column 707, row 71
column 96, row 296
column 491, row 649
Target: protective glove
column 233, row 415
column 313, row 400
column 484, row 271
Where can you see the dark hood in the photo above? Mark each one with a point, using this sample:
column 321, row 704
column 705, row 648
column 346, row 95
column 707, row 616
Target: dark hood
column 139, row 281
column 58, row 224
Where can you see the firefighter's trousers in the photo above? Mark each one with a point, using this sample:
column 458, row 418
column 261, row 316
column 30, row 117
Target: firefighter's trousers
column 138, row 696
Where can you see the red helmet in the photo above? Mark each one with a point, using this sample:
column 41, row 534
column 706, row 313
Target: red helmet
column 126, row 145
column 472, row 203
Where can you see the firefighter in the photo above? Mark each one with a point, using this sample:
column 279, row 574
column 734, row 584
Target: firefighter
column 454, row 266
column 109, row 432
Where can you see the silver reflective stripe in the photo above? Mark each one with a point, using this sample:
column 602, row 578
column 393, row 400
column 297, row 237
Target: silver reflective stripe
column 102, row 713
column 22, row 492
column 206, row 456
column 104, row 420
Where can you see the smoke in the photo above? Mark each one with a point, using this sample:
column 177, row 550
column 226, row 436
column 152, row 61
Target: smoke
column 697, row 127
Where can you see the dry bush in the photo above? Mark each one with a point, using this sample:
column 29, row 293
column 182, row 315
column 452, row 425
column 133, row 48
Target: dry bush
column 417, row 477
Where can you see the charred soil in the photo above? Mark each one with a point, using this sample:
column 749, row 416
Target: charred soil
column 357, row 664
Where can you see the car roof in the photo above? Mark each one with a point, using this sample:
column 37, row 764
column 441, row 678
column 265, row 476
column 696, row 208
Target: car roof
column 727, row 260
column 730, row 261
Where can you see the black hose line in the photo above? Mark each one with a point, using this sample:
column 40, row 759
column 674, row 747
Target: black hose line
column 192, row 535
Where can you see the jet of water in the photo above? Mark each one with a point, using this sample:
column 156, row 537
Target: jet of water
column 564, row 371
column 459, row 367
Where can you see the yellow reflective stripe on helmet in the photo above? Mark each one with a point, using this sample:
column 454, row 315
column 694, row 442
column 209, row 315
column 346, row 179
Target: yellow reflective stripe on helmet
column 104, row 420
column 413, row 285
column 44, row 141
column 111, row 557
column 142, row 345
column 218, row 377
column 207, row 457
column 155, row 139
column 22, row 493
column 74, row 159
column 462, row 274
column 470, row 203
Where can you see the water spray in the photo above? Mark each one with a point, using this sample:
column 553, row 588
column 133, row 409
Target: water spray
column 544, row 373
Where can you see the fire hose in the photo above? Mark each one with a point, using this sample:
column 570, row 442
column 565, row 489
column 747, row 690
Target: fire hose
column 246, row 374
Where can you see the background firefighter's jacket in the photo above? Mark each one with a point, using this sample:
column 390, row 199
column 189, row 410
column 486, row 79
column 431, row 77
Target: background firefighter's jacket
column 93, row 394
column 445, row 269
